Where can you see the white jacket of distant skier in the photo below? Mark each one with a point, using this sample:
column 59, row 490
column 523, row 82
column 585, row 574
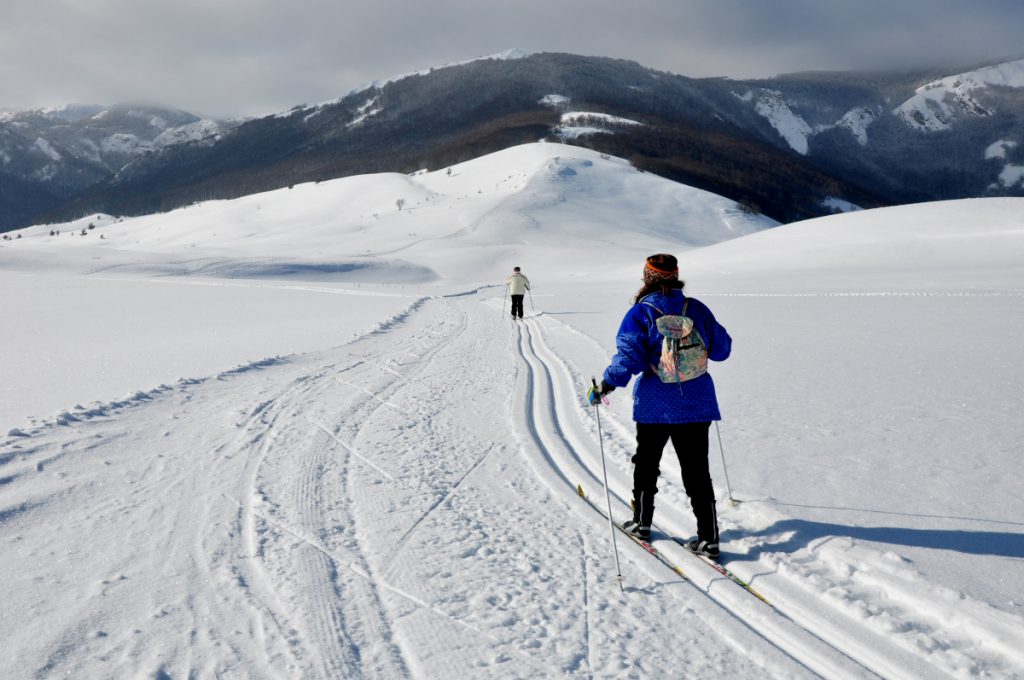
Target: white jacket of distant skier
column 517, row 284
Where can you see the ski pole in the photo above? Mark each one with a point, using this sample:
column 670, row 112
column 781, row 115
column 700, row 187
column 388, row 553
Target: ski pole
column 504, row 299
column 532, row 308
column 728, row 487
column 607, row 496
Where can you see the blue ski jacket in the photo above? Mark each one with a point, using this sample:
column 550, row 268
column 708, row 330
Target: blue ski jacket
column 638, row 345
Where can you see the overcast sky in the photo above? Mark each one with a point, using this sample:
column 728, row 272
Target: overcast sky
column 253, row 57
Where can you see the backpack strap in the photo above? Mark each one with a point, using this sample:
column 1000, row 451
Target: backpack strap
column 686, row 303
column 644, row 302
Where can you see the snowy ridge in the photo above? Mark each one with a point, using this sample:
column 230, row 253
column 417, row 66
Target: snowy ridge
column 936, row 105
column 193, row 132
column 312, row 110
column 506, row 55
column 65, row 112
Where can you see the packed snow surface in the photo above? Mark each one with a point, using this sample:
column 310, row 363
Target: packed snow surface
column 296, row 435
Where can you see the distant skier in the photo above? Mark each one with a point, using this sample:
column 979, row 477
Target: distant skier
column 517, row 285
column 667, row 338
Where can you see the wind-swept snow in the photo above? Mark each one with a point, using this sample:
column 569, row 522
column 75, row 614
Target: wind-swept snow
column 295, row 435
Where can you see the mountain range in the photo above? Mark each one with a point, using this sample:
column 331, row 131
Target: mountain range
column 790, row 147
column 51, row 156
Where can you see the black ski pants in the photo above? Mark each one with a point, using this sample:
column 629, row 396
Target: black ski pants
column 517, row 305
column 690, row 440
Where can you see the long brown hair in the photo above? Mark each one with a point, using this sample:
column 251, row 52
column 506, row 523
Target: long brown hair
column 665, row 286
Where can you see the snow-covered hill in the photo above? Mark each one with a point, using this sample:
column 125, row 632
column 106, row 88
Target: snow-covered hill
column 309, row 443
column 418, row 227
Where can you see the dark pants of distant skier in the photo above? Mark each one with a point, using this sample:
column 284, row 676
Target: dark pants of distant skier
column 690, row 440
column 517, row 306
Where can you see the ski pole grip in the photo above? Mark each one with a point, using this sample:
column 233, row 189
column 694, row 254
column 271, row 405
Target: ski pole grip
column 595, row 392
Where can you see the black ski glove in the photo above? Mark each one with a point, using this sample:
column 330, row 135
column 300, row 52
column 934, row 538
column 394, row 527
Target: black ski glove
column 606, row 389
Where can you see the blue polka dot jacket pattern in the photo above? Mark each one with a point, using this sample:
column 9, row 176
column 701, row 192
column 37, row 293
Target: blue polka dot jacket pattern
column 638, row 345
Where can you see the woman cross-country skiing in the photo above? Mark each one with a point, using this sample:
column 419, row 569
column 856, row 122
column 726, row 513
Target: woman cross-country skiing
column 674, row 397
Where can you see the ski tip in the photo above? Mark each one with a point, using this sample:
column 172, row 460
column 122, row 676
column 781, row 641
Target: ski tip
column 579, row 490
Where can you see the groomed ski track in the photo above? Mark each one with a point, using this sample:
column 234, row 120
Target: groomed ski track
column 550, row 407
column 401, row 506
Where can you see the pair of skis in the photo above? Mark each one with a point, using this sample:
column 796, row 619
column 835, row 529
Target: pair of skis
column 661, row 557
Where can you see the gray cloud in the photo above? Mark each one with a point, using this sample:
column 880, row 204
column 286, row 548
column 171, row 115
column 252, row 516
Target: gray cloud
column 249, row 57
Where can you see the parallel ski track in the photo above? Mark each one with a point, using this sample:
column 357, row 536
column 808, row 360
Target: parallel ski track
column 549, row 408
column 865, row 647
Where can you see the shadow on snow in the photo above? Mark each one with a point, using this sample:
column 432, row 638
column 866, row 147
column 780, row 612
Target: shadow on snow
column 800, row 533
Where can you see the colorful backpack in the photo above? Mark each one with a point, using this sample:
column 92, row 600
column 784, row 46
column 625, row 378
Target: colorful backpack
column 684, row 356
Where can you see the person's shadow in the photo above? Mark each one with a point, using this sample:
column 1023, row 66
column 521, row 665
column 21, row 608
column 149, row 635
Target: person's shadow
column 799, row 533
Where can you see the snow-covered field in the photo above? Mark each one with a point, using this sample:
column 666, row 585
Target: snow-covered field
column 295, row 435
